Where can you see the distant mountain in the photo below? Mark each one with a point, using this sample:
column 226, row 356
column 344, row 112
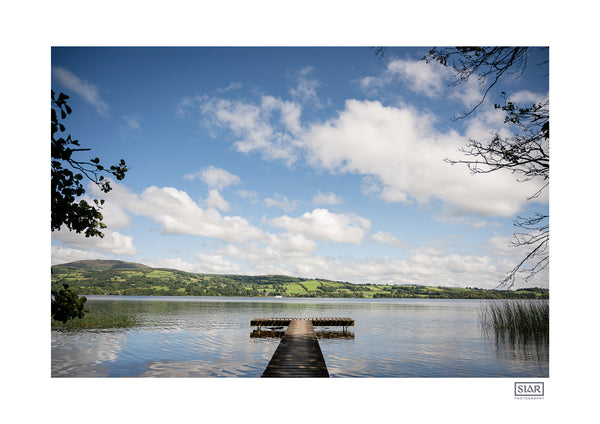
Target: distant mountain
column 101, row 265
column 109, row 277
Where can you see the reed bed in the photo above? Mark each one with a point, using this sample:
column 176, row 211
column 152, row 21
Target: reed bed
column 99, row 319
column 517, row 317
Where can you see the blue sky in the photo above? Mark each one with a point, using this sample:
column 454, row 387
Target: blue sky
column 310, row 162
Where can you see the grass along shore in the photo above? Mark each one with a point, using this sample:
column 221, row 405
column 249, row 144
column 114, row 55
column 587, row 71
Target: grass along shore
column 519, row 317
column 96, row 319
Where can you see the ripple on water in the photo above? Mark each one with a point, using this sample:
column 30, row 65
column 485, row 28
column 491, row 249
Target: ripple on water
column 192, row 338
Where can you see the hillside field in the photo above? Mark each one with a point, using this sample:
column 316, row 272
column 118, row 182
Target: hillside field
column 98, row 277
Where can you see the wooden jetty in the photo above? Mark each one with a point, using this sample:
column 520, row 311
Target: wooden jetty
column 320, row 321
column 299, row 353
column 277, row 333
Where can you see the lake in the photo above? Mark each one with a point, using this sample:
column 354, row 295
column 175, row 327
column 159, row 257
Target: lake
column 212, row 337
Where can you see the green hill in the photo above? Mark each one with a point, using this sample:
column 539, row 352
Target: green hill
column 101, row 265
column 102, row 277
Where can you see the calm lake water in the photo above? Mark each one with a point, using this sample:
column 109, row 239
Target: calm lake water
column 212, row 337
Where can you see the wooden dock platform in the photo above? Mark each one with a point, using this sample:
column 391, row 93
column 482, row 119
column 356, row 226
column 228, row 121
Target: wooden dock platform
column 299, row 353
column 320, row 321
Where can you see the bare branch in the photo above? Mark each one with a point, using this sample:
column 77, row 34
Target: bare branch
column 526, row 153
column 486, row 63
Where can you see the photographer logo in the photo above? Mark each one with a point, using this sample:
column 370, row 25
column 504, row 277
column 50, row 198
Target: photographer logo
column 529, row 389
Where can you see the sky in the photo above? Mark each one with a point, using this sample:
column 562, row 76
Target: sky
column 149, row 111
column 318, row 162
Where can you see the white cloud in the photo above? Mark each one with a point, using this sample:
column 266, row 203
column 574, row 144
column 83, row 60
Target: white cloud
column 427, row 267
column 114, row 210
column 386, row 238
column 320, row 224
column 295, row 251
column 173, row 263
column 113, row 214
column 268, row 129
column 398, row 150
column 62, row 255
column 370, row 185
column 508, row 255
column 322, row 199
column 113, row 242
column 179, row 214
column 289, row 113
column 271, row 127
column 419, row 76
column 294, row 254
column 292, row 244
column 305, row 91
column 429, row 79
column 214, row 177
column 404, row 157
column 281, row 202
column 132, row 123
column 368, row 82
column 527, row 98
column 287, row 254
column 115, row 217
column 215, row 200
column 503, row 246
column 89, row 92
column 203, row 263
column 215, row 263
column 236, row 85
column 247, row 194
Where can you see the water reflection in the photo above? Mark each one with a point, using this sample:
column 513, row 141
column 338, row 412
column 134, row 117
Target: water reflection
column 520, row 346
column 217, row 368
column 321, row 334
column 211, row 337
column 84, row 354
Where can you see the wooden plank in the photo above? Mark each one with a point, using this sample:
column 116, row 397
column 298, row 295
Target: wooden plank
column 332, row 322
column 270, row 322
column 321, row 321
column 298, row 353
